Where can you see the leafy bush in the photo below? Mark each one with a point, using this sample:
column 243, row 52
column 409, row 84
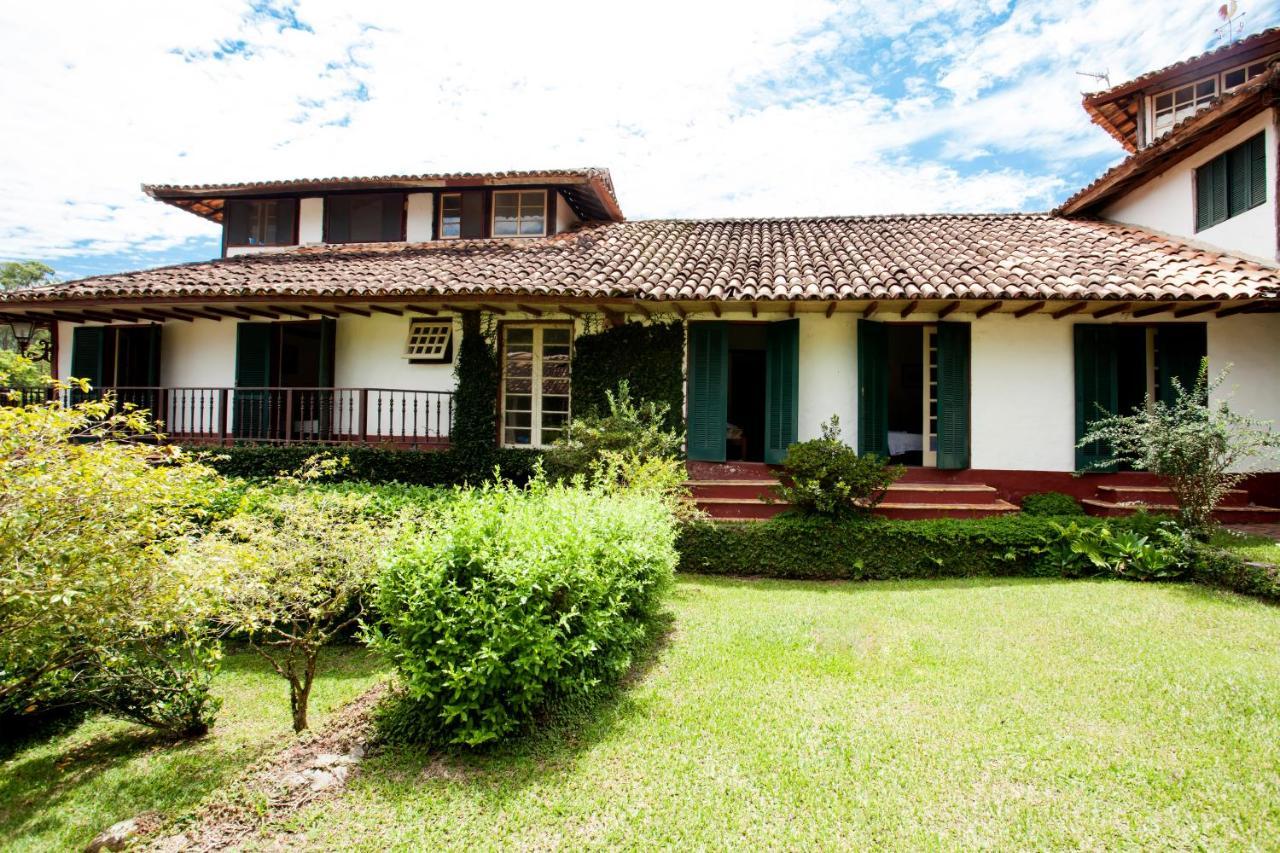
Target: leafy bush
column 1128, row 553
column 160, row 681
column 628, row 428
column 510, row 600
column 88, row 514
column 292, row 572
column 1202, row 448
column 1218, row 567
column 1051, row 504
column 816, row 547
column 374, row 464
column 827, row 477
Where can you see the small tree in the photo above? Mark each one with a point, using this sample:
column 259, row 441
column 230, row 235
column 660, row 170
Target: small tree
column 1202, row 448
column 293, row 572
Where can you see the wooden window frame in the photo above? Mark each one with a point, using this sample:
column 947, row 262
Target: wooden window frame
column 445, row 354
column 440, row 235
column 493, row 214
column 326, row 237
column 503, row 326
column 293, row 236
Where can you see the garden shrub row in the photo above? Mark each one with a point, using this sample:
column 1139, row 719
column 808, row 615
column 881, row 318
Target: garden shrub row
column 374, row 464
column 878, row 549
column 1218, row 567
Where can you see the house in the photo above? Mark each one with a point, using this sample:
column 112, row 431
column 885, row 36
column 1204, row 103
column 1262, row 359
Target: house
column 974, row 348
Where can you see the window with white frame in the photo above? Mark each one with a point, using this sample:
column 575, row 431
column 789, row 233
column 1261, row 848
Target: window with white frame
column 450, row 216
column 535, row 383
column 1170, row 107
column 520, row 213
column 429, row 340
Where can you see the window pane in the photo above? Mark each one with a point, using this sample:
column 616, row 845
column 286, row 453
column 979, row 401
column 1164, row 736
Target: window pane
column 522, row 335
column 1164, row 102
column 450, row 216
column 556, row 335
column 1182, row 96
column 1233, row 78
column 1205, row 89
column 532, row 226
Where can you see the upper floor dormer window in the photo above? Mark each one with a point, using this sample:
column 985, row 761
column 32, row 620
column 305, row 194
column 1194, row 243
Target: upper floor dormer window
column 522, row 213
column 364, row 218
column 1170, row 107
column 261, row 222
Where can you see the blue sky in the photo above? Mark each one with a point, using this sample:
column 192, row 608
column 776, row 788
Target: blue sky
column 701, row 109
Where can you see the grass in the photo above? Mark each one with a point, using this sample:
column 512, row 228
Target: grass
column 952, row 714
column 60, row 792
column 1262, row 549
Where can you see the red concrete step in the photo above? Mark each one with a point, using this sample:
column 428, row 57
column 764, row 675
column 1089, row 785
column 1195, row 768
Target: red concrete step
column 758, row 489
column 731, row 471
column 1159, row 495
column 945, row 510
column 941, row 493
column 739, row 509
column 1249, row 514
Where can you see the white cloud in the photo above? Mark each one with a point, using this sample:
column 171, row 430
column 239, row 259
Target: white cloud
column 699, row 108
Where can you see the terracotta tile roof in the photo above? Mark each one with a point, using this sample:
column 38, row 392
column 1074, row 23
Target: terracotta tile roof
column 970, row 256
column 1115, row 109
column 1186, row 137
column 206, row 199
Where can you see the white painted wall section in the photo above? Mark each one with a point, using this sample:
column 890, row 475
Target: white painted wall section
column 565, row 217
column 1250, row 347
column 828, row 375
column 419, row 220
column 311, row 220
column 1166, row 203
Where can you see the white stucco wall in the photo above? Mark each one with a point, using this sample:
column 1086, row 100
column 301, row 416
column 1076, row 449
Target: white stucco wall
column 828, row 374
column 1250, row 345
column 1167, row 203
column 368, row 353
column 311, row 220
column 419, row 223
column 565, row 217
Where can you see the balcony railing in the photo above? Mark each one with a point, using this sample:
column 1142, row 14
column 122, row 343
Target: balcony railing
column 402, row 417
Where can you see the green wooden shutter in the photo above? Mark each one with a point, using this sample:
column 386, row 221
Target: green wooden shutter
column 153, row 355
column 253, row 370
column 1204, row 198
column 1180, row 348
column 88, row 354
column 782, row 389
column 873, row 389
column 953, row 395
column 1239, row 183
column 1096, row 386
column 708, row 390
column 1257, row 170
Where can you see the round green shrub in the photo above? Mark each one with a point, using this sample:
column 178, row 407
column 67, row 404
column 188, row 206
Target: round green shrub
column 1051, row 503
column 510, row 600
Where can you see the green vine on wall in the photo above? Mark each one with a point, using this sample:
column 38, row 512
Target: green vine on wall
column 649, row 356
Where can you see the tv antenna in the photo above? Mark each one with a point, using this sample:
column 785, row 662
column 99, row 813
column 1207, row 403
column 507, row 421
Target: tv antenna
column 1232, row 22
column 1104, row 78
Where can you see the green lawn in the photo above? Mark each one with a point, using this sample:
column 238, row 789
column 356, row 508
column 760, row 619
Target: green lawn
column 947, row 714
column 59, row 793
column 1262, row 549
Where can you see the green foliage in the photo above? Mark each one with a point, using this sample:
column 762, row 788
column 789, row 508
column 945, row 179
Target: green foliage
column 510, row 600
column 649, row 357
column 88, row 515
column 1219, row 567
column 637, row 430
column 160, row 681
column 1102, row 548
column 827, row 477
column 1202, row 448
column 817, row 547
column 16, row 275
column 375, row 464
column 1051, row 504
column 21, row 372
column 475, row 400
column 291, row 572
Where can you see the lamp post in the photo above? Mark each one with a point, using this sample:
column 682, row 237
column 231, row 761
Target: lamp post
column 24, row 331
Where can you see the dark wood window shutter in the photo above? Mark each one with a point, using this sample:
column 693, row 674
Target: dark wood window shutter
column 1096, row 386
column 782, row 388
column 953, row 395
column 1180, row 349
column 474, row 224
column 1231, row 183
column 1257, row 170
column 286, row 221
column 337, row 219
column 392, row 217
column 708, row 390
column 88, row 354
column 873, row 389
column 235, row 216
column 1239, row 182
column 153, row 355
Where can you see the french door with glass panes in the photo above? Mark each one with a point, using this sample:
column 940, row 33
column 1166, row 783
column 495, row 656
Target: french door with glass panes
column 535, row 383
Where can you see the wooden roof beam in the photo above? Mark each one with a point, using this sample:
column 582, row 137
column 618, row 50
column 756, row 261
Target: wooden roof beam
column 1155, row 309
column 791, row 308
column 323, row 312
column 648, row 315
column 196, row 314
column 910, row 309
column 1238, row 308
column 1073, row 308
column 1112, row 309
column 715, row 308
column 530, row 310
column 291, row 312
column 831, row 309
column 227, row 312
column 572, row 312
column 347, row 309
column 988, row 308
column 422, row 309
column 494, row 309
column 755, row 309
column 258, row 312
column 1028, row 309
column 870, row 309
column 948, row 309
column 1197, row 309
column 683, row 313
column 156, row 314
column 395, row 312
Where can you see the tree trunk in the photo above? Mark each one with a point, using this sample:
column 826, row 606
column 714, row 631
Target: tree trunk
column 300, row 695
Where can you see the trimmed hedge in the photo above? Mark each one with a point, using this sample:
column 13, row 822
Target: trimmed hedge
column 376, row 464
column 649, row 356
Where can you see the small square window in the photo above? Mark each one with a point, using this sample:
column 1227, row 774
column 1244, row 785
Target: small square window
column 450, row 216
column 429, row 340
